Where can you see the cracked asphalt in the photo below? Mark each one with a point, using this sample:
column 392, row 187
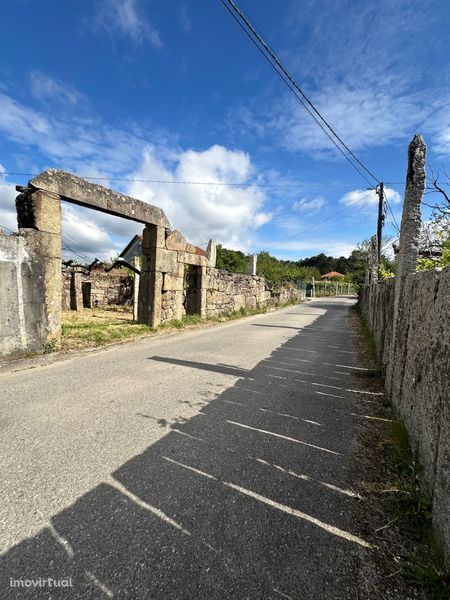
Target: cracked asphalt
column 208, row 464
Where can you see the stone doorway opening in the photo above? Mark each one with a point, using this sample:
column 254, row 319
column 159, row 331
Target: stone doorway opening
column 86, row 288
column 192, row 289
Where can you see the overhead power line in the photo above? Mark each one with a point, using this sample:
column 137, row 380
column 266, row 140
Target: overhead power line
column 319, row 223
column 67, row 247
column 391, row 214
column 270, row 56
column 174, row 182
column 7, row 228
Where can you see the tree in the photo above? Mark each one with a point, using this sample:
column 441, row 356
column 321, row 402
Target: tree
column 233, row 261
column 434, row 249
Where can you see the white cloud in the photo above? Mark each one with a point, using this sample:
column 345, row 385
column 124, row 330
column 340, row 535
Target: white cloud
column 90, row 148
column 226, row 213
column 7, row 203
column 185, row 20
column 51, row 90
column 73, row 141
column 308, row 206
column 125, row 18
column 442, row 147
column 368, row 198
column 364, row 118
column 83, row 236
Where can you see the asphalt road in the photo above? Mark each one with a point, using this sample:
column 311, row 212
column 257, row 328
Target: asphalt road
column 207, row 464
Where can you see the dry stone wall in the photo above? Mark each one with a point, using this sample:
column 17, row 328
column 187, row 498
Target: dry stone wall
column 417, row 368
column 104, row 289
column 228, row 292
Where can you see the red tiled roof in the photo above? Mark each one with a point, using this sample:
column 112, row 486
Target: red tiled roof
column 332, row 274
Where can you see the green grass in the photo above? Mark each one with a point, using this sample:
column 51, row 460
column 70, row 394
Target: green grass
column 97, row 334
column 369, row 337
column 98, row 327
column 412, row 508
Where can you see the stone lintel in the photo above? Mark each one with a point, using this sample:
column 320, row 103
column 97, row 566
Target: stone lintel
column 91, row 195
column 192, row 259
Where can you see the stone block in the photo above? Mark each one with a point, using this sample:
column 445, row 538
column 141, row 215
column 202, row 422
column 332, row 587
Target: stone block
column 192, row 249
column 153, row 237
column 164, row 261
column 172, row 282
column 251, row 302
column 40, row 210
column 192, row 259
column 43, row 244
column 175, row 241
column 239, row 301
column 263, row 297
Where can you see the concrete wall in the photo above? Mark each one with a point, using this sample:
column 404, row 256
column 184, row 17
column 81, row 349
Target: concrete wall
column 417, row 366
column 22, row 314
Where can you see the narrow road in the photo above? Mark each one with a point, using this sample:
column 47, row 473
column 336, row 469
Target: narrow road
column 202, row 465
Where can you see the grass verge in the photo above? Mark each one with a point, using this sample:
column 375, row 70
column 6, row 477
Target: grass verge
column 394, row 491
column 97, row 327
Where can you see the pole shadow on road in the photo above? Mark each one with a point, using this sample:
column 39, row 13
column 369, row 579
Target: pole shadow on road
column 247, row 499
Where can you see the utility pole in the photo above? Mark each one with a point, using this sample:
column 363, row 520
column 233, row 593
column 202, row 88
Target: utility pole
column 380, row 223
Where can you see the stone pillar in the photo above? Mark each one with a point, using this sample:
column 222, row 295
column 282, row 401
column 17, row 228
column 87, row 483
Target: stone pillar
column 411, row 217
column 177, row 286
column 251, row 265
column 373, row 260
column 39, row 219
column 137, row 277
column 408, row 245
column 211, row 253
column 202, row 289
column 76, row 294
column 151, row 280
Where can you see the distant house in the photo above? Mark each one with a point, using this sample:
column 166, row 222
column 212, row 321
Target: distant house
column 332, row 275
column 132, row 249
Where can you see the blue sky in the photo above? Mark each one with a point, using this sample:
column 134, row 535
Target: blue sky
column 145, row 89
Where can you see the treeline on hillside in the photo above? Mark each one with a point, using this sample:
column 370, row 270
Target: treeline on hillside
column 278, row 271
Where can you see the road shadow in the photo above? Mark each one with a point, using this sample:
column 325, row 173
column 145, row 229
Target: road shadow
column 250, row 498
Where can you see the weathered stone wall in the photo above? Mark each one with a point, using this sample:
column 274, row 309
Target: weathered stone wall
column 106, row 288
column 228, row 292
column 22, row 301
column 417, row 366
column 165, row 254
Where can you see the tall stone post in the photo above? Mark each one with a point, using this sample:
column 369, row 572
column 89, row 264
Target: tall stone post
column 39, row 219
column 151, row 280
column 373, row 260
column 76, row 294
column 408, row 246
column 211, row 253
column 137, row 277
column 411, row 217
column 202, row 291
column 251, row 264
